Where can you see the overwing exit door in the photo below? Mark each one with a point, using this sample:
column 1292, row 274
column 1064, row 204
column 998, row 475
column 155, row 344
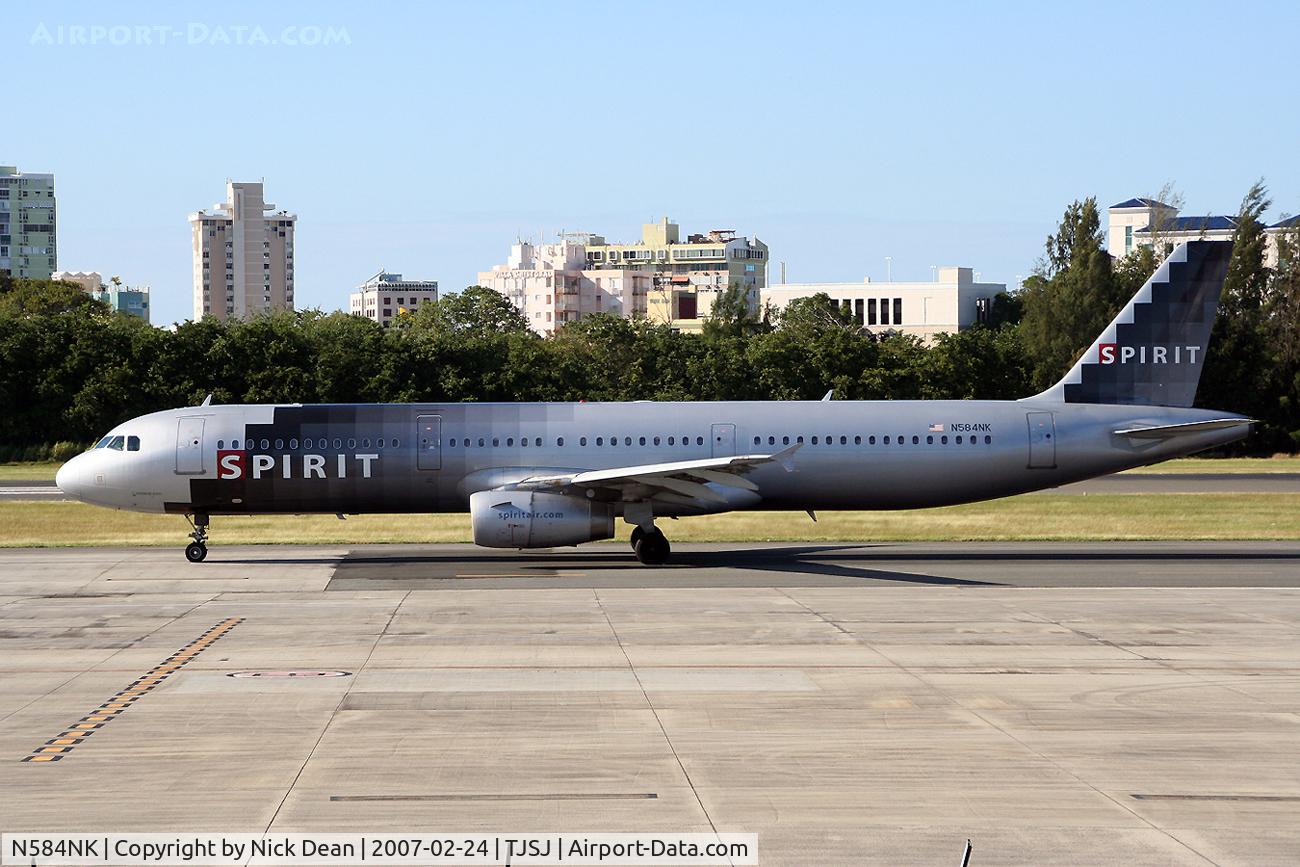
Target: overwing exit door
column 428, row 442
column 724, row 440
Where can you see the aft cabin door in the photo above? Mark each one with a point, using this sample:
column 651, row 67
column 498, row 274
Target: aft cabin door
column 189, row 446
column 724, row 440
column 1042, row 441
column 428, row 442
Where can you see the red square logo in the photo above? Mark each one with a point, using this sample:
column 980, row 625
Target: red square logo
column 1107, row 353
column 231, row 463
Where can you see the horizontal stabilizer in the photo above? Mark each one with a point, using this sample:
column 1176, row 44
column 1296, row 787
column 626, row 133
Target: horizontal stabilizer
column 1167, row 431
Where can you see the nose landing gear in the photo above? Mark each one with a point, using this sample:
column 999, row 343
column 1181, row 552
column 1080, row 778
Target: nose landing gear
column 198, row 549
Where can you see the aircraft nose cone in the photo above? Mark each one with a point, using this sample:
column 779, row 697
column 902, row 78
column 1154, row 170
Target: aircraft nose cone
column 68, row 478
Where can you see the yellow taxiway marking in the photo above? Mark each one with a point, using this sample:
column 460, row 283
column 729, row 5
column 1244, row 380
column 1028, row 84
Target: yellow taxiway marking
column 62, row 743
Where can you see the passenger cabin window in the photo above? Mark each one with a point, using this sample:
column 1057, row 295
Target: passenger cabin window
column 133, row 444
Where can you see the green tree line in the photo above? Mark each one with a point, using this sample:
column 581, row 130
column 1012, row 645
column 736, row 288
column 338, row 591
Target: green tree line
column 71, row 369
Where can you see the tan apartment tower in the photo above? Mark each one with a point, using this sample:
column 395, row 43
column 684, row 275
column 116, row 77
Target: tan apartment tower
column 243, row 255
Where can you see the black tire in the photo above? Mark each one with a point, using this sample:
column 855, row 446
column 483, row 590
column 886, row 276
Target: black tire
column 652, row 549
column 637, row 533
column 194, row 552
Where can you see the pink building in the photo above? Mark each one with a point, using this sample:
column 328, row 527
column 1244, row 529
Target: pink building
column 551, row 286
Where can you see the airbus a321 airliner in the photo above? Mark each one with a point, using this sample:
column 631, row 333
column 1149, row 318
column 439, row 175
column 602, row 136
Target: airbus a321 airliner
column 540, row 475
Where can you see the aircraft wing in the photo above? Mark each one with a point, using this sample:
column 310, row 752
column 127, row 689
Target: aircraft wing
column 686, row 478
column 1168, row 431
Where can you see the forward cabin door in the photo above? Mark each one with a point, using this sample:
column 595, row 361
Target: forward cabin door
column 1042, row 441
column 428, row 442
column 724, row 440
column 189, row 446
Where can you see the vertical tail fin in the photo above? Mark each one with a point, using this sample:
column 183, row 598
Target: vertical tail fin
column 1152, row 352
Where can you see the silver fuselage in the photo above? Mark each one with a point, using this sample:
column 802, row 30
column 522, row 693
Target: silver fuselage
column 413, row 458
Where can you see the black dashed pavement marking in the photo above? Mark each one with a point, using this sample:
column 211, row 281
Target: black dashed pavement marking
column 61, row 744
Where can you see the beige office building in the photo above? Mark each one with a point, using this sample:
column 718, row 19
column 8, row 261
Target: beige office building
column 551, row 285
column 386, row 295
column 687, row 276
column 1142, row 222
column 243, row 255
column 951, row 302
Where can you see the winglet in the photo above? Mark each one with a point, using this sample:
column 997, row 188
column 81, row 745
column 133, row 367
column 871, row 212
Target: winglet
column 827, row 395
column 207, row 401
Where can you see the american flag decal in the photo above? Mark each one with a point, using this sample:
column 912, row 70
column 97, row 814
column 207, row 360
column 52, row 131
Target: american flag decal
column 935, row 428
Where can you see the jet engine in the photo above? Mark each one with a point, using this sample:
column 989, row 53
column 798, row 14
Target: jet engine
column 531, row 519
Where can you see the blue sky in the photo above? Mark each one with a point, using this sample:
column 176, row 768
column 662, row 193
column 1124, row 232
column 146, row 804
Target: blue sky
column 433, row 135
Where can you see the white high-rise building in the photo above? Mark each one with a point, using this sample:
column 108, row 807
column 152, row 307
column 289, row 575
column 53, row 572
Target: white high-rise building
column 243, row 255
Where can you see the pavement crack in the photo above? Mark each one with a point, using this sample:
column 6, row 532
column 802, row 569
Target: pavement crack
column 335, row 712
column 653, row 710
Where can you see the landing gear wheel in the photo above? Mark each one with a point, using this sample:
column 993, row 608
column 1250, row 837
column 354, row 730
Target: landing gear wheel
column 653, row 549
column 637, row 535
column 198, row 549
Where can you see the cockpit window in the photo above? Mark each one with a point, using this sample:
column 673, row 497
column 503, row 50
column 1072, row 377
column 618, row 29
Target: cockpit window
column 116, row 443
column 133, row 444
column 103, row 443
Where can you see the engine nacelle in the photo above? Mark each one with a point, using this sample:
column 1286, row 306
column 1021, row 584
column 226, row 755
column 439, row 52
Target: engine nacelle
column 531, row 519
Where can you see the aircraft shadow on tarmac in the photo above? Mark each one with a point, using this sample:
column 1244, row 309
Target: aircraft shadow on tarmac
column 803, row 561
column 842, row 565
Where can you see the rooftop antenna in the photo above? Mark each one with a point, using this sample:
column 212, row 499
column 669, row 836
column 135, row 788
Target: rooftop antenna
column 889, row 269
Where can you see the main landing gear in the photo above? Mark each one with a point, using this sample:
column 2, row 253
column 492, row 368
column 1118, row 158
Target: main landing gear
column 198, row 549
column 651, row 546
